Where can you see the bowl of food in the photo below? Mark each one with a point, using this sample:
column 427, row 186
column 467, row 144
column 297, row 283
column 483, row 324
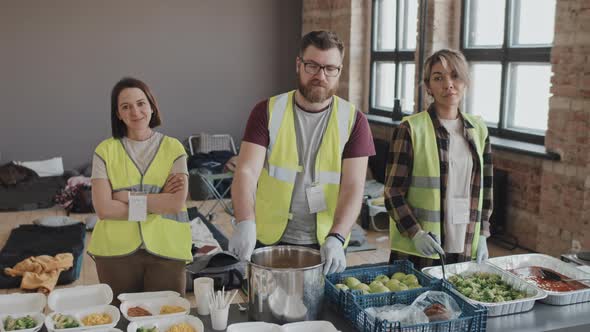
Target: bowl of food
column 22, row 312
column 152, row 305
column 82, row 308
column 501, row 292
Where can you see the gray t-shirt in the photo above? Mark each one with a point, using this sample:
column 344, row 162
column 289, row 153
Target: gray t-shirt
column 142, row 153
column 309, row 128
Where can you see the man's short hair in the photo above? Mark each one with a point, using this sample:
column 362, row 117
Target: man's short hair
column 323, row 40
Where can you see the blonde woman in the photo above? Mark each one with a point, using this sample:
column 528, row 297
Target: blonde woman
column 439, row 177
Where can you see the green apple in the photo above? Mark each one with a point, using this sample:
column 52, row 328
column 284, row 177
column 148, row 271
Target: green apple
column 414, row 286
column 398, row 275
column 392, row 283
column 342, row 286
column 380, row 289
column 374, row 285
column 410, row 279
column 383, row 278
column 351, row 282
column 365, row 292
column 362, row 286
column 399, row 287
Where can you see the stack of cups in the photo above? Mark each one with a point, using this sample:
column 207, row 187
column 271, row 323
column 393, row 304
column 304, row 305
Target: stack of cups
column 202, row 287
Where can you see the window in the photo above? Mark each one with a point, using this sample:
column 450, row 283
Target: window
column 392, row 55
column 508, row 50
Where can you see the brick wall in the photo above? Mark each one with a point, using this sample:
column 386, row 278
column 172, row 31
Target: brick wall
column 564, row 206
column 523, row 196
column 351, row 20
column 548, row 201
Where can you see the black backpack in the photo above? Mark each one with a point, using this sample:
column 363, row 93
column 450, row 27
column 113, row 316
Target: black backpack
column 223, row 267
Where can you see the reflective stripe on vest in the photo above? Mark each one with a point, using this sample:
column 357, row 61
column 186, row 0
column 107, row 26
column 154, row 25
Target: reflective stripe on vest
column 424, row 195
column 276, row 182
column 166, row 235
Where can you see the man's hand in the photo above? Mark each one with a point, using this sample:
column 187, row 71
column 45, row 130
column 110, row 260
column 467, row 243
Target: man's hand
column 243, row 240
column 332, row 253
column 174, row 183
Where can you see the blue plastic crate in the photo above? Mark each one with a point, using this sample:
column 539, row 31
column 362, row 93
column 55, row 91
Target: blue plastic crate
column 366, row 273
column 473, row 317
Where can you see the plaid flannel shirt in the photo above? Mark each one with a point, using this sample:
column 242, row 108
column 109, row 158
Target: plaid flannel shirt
column 399, row 178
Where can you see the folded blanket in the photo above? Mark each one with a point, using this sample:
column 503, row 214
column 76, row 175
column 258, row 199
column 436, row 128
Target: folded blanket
column 41, row 272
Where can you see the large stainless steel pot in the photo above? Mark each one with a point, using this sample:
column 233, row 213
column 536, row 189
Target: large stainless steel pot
column 285, row 284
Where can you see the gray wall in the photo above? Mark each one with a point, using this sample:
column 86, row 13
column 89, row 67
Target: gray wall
column 207, row 62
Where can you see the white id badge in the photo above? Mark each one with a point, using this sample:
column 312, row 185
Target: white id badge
column 316, row 199
column 137, row 207
column 461, row 210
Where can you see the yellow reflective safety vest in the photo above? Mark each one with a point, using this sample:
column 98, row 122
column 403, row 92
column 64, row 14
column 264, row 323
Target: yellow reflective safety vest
column 424, row 195
column 168, row 235
column 277, row 179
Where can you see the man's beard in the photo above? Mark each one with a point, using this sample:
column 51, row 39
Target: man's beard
column 315, row 91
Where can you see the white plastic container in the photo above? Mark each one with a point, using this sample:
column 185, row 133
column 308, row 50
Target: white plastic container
column 163, row 324
column 305, row 326
column 153, row 302
column 80, row 302
column 21, row 305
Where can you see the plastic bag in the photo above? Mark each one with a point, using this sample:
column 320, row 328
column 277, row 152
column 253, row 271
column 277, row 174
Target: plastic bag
column 406, row 315
column 437, row 306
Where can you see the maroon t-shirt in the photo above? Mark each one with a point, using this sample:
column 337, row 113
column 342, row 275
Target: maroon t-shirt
column 360, row 142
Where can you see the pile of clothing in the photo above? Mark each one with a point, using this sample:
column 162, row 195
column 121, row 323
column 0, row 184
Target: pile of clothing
column 41, row 272
column 76, row 196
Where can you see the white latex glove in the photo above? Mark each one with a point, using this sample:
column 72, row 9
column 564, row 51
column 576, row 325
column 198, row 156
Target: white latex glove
column 333, row 255
column 426, row 245
column 482, row 249
column 243, row 240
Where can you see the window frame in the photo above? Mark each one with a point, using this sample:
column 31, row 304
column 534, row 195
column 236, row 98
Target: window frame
column 396, row 56
column 505, row 55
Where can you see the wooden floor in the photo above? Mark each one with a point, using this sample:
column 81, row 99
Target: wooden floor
column 9, row 220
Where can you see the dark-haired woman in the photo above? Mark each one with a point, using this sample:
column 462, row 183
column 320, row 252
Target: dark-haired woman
column 139, row 187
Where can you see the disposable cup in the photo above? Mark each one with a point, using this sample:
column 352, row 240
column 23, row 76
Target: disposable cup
column 219, row 317
column 202, row 287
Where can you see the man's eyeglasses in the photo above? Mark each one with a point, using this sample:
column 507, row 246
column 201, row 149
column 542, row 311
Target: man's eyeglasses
column 314, row 68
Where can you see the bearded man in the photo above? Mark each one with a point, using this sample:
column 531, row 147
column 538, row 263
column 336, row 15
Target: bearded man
column 302, row 162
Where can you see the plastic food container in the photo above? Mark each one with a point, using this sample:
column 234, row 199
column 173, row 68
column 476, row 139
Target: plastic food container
column 79, row 302
column 163, row 324
column 365, row 274
column 153, row 303
column 21, row 305
column 554, row 298
column 496, row 308
column 307, row 326
column 472, row 319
